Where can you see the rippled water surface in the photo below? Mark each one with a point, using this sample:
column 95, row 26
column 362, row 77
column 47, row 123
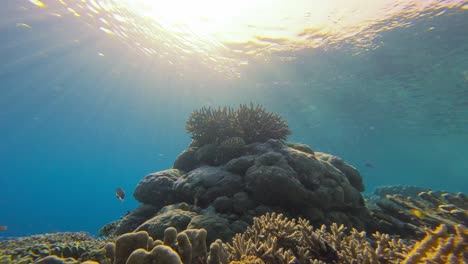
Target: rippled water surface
column 94, row 94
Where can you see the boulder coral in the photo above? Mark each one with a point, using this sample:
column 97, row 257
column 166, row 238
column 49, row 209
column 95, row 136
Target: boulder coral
column 287, row 178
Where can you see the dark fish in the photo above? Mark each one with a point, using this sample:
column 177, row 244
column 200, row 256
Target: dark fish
column 120, row 194
column 3, row 228
column 369, row 165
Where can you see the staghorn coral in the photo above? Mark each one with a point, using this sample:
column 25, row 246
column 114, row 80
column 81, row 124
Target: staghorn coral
column 248, row 260
column 251, row 122
column 258, row 125
column 275, row 239
column 441, row 247
column 355, row 246
column 409, row 216
column 209, row 125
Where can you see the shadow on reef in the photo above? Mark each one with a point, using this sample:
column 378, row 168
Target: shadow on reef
column 271, row 239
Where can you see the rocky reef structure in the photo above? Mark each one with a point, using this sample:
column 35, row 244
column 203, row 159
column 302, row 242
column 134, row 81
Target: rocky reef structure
column 267, row 177
column 271, row 239
column 238, row 167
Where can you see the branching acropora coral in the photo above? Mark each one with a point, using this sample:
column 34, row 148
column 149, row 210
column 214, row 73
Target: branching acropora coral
column 251, row 122
column 441, row 247
column 273, row 239
column 411, row 215
column 258, row 125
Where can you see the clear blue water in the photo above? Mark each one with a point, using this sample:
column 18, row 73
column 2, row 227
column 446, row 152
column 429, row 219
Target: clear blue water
column 74, row 126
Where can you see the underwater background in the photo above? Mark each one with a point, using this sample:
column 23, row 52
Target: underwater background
column 93, row 98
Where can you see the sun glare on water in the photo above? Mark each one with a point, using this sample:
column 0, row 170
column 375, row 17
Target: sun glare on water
column 231, row 21
column 246, row 20
column 219, row 32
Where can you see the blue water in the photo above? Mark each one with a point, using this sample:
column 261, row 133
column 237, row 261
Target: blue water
column 74, row 126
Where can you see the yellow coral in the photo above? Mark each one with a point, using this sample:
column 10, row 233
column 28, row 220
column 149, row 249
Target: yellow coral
column 441, row 247
column 250, row 259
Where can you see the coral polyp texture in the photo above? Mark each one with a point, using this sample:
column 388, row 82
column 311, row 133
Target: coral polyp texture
column 251, row 122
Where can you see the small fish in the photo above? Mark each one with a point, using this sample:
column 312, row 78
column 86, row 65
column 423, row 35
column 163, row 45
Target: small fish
column 369, row 165
column 120, row 194
column 417, row 213
column 3, row 228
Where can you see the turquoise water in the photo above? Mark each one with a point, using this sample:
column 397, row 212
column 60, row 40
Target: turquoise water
column 82, row 113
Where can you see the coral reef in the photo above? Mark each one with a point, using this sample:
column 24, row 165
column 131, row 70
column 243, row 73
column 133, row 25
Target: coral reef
column 276, row 239
column 251, row 123
column 257, row 125
column 70, row 246
column 408, row 216
column 404, row 190
column 209, row 125
column 108, row 229
column 268, row 177
column 240, row 182
column 439, row 246
column 271, row 239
